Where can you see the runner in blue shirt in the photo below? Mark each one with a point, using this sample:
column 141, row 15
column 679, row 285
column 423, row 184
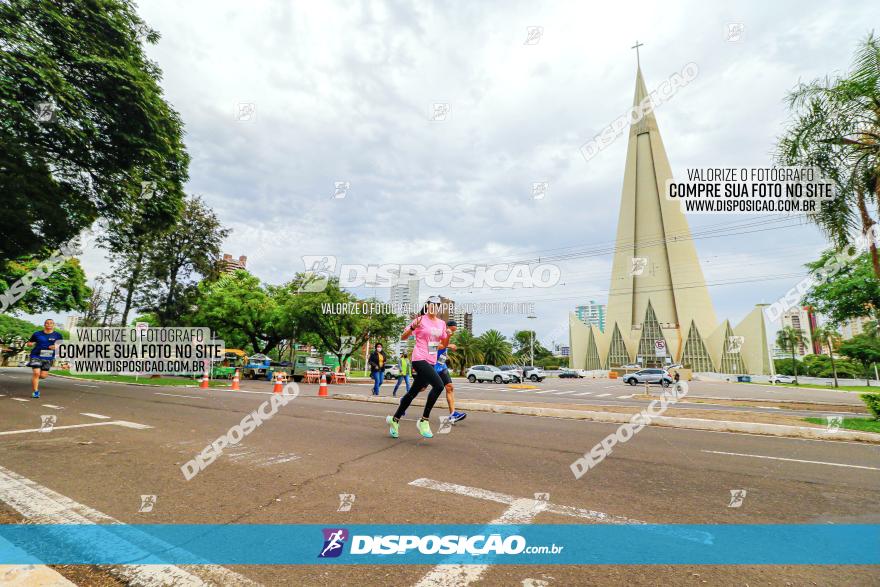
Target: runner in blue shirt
column 443, row 371
column 43, row 353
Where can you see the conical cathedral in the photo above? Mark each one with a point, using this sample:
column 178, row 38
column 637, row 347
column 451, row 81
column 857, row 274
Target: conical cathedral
column 659, row 309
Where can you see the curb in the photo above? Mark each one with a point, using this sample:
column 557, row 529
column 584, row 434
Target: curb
column 665, row 421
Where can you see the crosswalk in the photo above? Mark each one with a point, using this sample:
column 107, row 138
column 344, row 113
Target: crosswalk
column 573, row 393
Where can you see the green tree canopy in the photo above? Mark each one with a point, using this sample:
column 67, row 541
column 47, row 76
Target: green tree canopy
column 494, row 347
column 83, row 122
column 852, row 292
column 64, row 289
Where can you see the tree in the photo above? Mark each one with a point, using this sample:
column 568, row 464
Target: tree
column 190, row 247
column 494, row 347
column 829, row 336
column 466, row 353
column 244, row 313
column 61, row 290
column 836, row 128
column 522, row 346
column 864, row 348
column 82, row 121
column 14, row 332
column 342, row 322
column 851, row 292
column 789, row 339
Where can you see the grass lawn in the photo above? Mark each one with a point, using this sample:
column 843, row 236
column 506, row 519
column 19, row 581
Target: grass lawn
column 863, row 424
column 170, row 381
column 859, row 388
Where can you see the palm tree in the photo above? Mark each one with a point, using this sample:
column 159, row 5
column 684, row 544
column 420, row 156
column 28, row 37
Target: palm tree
column 494, row 347
column 466, row 351
column 826, row 334
column 789, row 339
column 836, row 127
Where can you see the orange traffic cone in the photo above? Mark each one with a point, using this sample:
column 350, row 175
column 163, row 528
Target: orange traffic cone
column 204, row 383
column 322, row 390
column 278, row 386
column 235, row 381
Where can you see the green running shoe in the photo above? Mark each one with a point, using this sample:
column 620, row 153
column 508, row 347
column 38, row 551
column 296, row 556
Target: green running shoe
column 395, row 426
column 425, row 429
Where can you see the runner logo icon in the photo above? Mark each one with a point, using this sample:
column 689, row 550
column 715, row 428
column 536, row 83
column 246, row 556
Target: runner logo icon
column 334, row 541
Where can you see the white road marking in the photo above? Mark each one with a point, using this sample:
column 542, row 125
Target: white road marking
column 20, row 399
column 41, row 505
column 355, row 414
column 98, row 416
column 85, row 385
column 53, row 407
column 603, row 395
column 624, row 396
column 563, row 393
column 737, row 454
column 122, row 423
column 178, row 395
column 546, row 391
column 585, row 393
column 519, row 511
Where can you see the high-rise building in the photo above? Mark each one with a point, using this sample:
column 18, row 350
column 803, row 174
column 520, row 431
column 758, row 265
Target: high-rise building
column 464, row 320
column 592, row 314
column 71, row 323
column 854, row 327
column 230, row 265
column 804, row 320
column 659, row 308
column 404, row 295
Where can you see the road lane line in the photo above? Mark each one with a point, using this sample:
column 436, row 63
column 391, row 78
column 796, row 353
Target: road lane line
column 178, row 395
column 624, row 396
column 519, row 511
column 546, row 391
column 563, row 393
column 41, row 505
column 122, row 423
column 85, row 385
column 98, row 416
column 603, row 395
column 53, row 407
column 354, row 414
column 737, row 454
column 585, row 393
column 20, row 399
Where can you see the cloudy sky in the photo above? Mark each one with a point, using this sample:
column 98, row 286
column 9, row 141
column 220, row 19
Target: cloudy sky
column 343, row 91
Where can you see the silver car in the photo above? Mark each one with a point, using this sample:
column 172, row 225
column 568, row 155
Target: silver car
column 488, row 373
column 660, row 376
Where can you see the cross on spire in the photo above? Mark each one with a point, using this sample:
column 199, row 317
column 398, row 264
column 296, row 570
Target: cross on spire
column 636, row 47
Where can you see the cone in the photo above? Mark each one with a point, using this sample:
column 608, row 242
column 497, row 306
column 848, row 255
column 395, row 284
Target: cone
column 204, row 383
column 235, row 381
column 322, row 390
column 278, row 386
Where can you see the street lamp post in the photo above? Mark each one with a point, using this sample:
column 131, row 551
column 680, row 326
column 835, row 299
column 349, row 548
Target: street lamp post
column 532, row 333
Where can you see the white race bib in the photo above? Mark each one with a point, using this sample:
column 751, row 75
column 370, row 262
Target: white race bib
column 47, row 354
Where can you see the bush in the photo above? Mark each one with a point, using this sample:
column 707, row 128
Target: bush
column 872, row 400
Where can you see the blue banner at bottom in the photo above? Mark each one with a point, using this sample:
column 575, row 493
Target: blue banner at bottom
column 361, row 544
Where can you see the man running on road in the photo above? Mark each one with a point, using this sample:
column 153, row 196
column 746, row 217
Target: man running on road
column 44, row 343
column 443, row 370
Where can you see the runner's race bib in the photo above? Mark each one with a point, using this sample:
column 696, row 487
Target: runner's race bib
column 432, row 348
column 47, row 354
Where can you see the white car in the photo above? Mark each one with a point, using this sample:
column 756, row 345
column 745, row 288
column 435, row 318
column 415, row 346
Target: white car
column 488, row 373
column 781, row 379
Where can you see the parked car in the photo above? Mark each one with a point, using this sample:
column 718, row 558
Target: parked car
column 488, row 373
column 781, row 379
column 584, row 372
column 533, row 373
column 660, row 376
column 569, row 374
column 515, row 372
column 392, row 372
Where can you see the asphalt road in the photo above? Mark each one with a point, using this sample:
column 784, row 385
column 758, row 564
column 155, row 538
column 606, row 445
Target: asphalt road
column 293, row 468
